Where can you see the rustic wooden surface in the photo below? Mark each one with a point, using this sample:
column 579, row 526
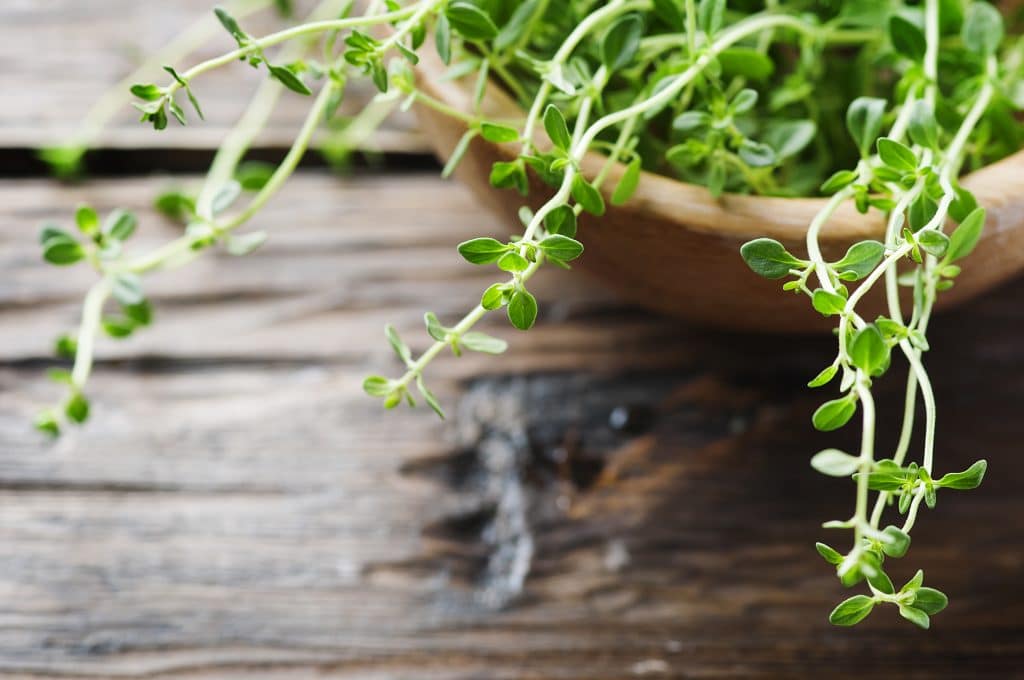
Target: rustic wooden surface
column 237, row 509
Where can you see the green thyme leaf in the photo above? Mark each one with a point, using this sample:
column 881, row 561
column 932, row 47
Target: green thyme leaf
column 555, row 126
column 522, row 310
column 968, row 479
column 965, row 237
column 471, row 22
column 852, row 611
column 587, row 195
column 835, row 463
column 621, row 42
column 769, row 258
column 834, row 414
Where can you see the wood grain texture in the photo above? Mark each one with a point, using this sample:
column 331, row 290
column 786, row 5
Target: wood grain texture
column 237, row 509
column 60, row 56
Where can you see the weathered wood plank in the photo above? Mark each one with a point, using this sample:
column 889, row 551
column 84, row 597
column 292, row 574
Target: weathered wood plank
column 236, row 508
column 60, row 56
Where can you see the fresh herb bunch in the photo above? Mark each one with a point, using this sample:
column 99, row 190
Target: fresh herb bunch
column 781, row 98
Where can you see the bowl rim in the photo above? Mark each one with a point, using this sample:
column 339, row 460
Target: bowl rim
column 691, row 206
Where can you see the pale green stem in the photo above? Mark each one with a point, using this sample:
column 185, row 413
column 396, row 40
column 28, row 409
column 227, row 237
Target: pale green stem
column 92, row 311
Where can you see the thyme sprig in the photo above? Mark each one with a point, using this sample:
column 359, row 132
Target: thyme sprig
column 786, row 98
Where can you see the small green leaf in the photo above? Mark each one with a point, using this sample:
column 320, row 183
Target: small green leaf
column 498, row 134
column 244, row 244
column 868, row 351
column 561, row 220
column 790, row 137
column 896, row 155
column 825, row 376
column 87, row 220
column 864, row 121
column 429, row 397
column 443, row 39
column 835, row 463
column 401, row 349
column 289, row 79
column 77, row 408
column 834, row 414
column 377, row 386
column 756, row 154
column 225, row 196
column 839, row 180
column 896, row 542
column 627, row 185
column 483, row 250
column 968, row 479
column 513, row 262
column 118, row 326
column 555, row 126
column 621, row 42
column 147, row 92
column 587, row 195
column 62, row 251
column 494, row 296
column 561, row 247
column 915, row 615
column 481, row 342
column 127, row 289
column 860, row 259
column 47, row 423
column 141, row 314
column 522, row 310
column 930, row 600
column 907, row 38
column 828, row 303
column 982, row 29
column 746, row 62
column 881, row 582
column 229, row 24
column 744, row 101
column 460, row 150
column 852, row 611
column 710, row 15
column 924, row 130
column 60, row 375
column 175, row 205
column 914, row 583
column 470, row 21
column 769, row 258
column 933, row 242
column 434, row 327
column 965, row 237
column 119, row 225
column 831, row 556
column 65, row 346
column 254, row 175
column 510, row 175
column 921, row 212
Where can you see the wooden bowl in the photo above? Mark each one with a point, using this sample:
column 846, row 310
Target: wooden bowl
column 675, row 248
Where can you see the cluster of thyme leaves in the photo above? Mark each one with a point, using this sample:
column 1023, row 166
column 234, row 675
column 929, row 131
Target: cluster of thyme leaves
column 749, row 97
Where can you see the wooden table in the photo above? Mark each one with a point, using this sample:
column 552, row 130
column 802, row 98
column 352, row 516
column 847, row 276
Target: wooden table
column 619, row 496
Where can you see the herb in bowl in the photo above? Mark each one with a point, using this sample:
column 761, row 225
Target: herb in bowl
column 882, row 105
